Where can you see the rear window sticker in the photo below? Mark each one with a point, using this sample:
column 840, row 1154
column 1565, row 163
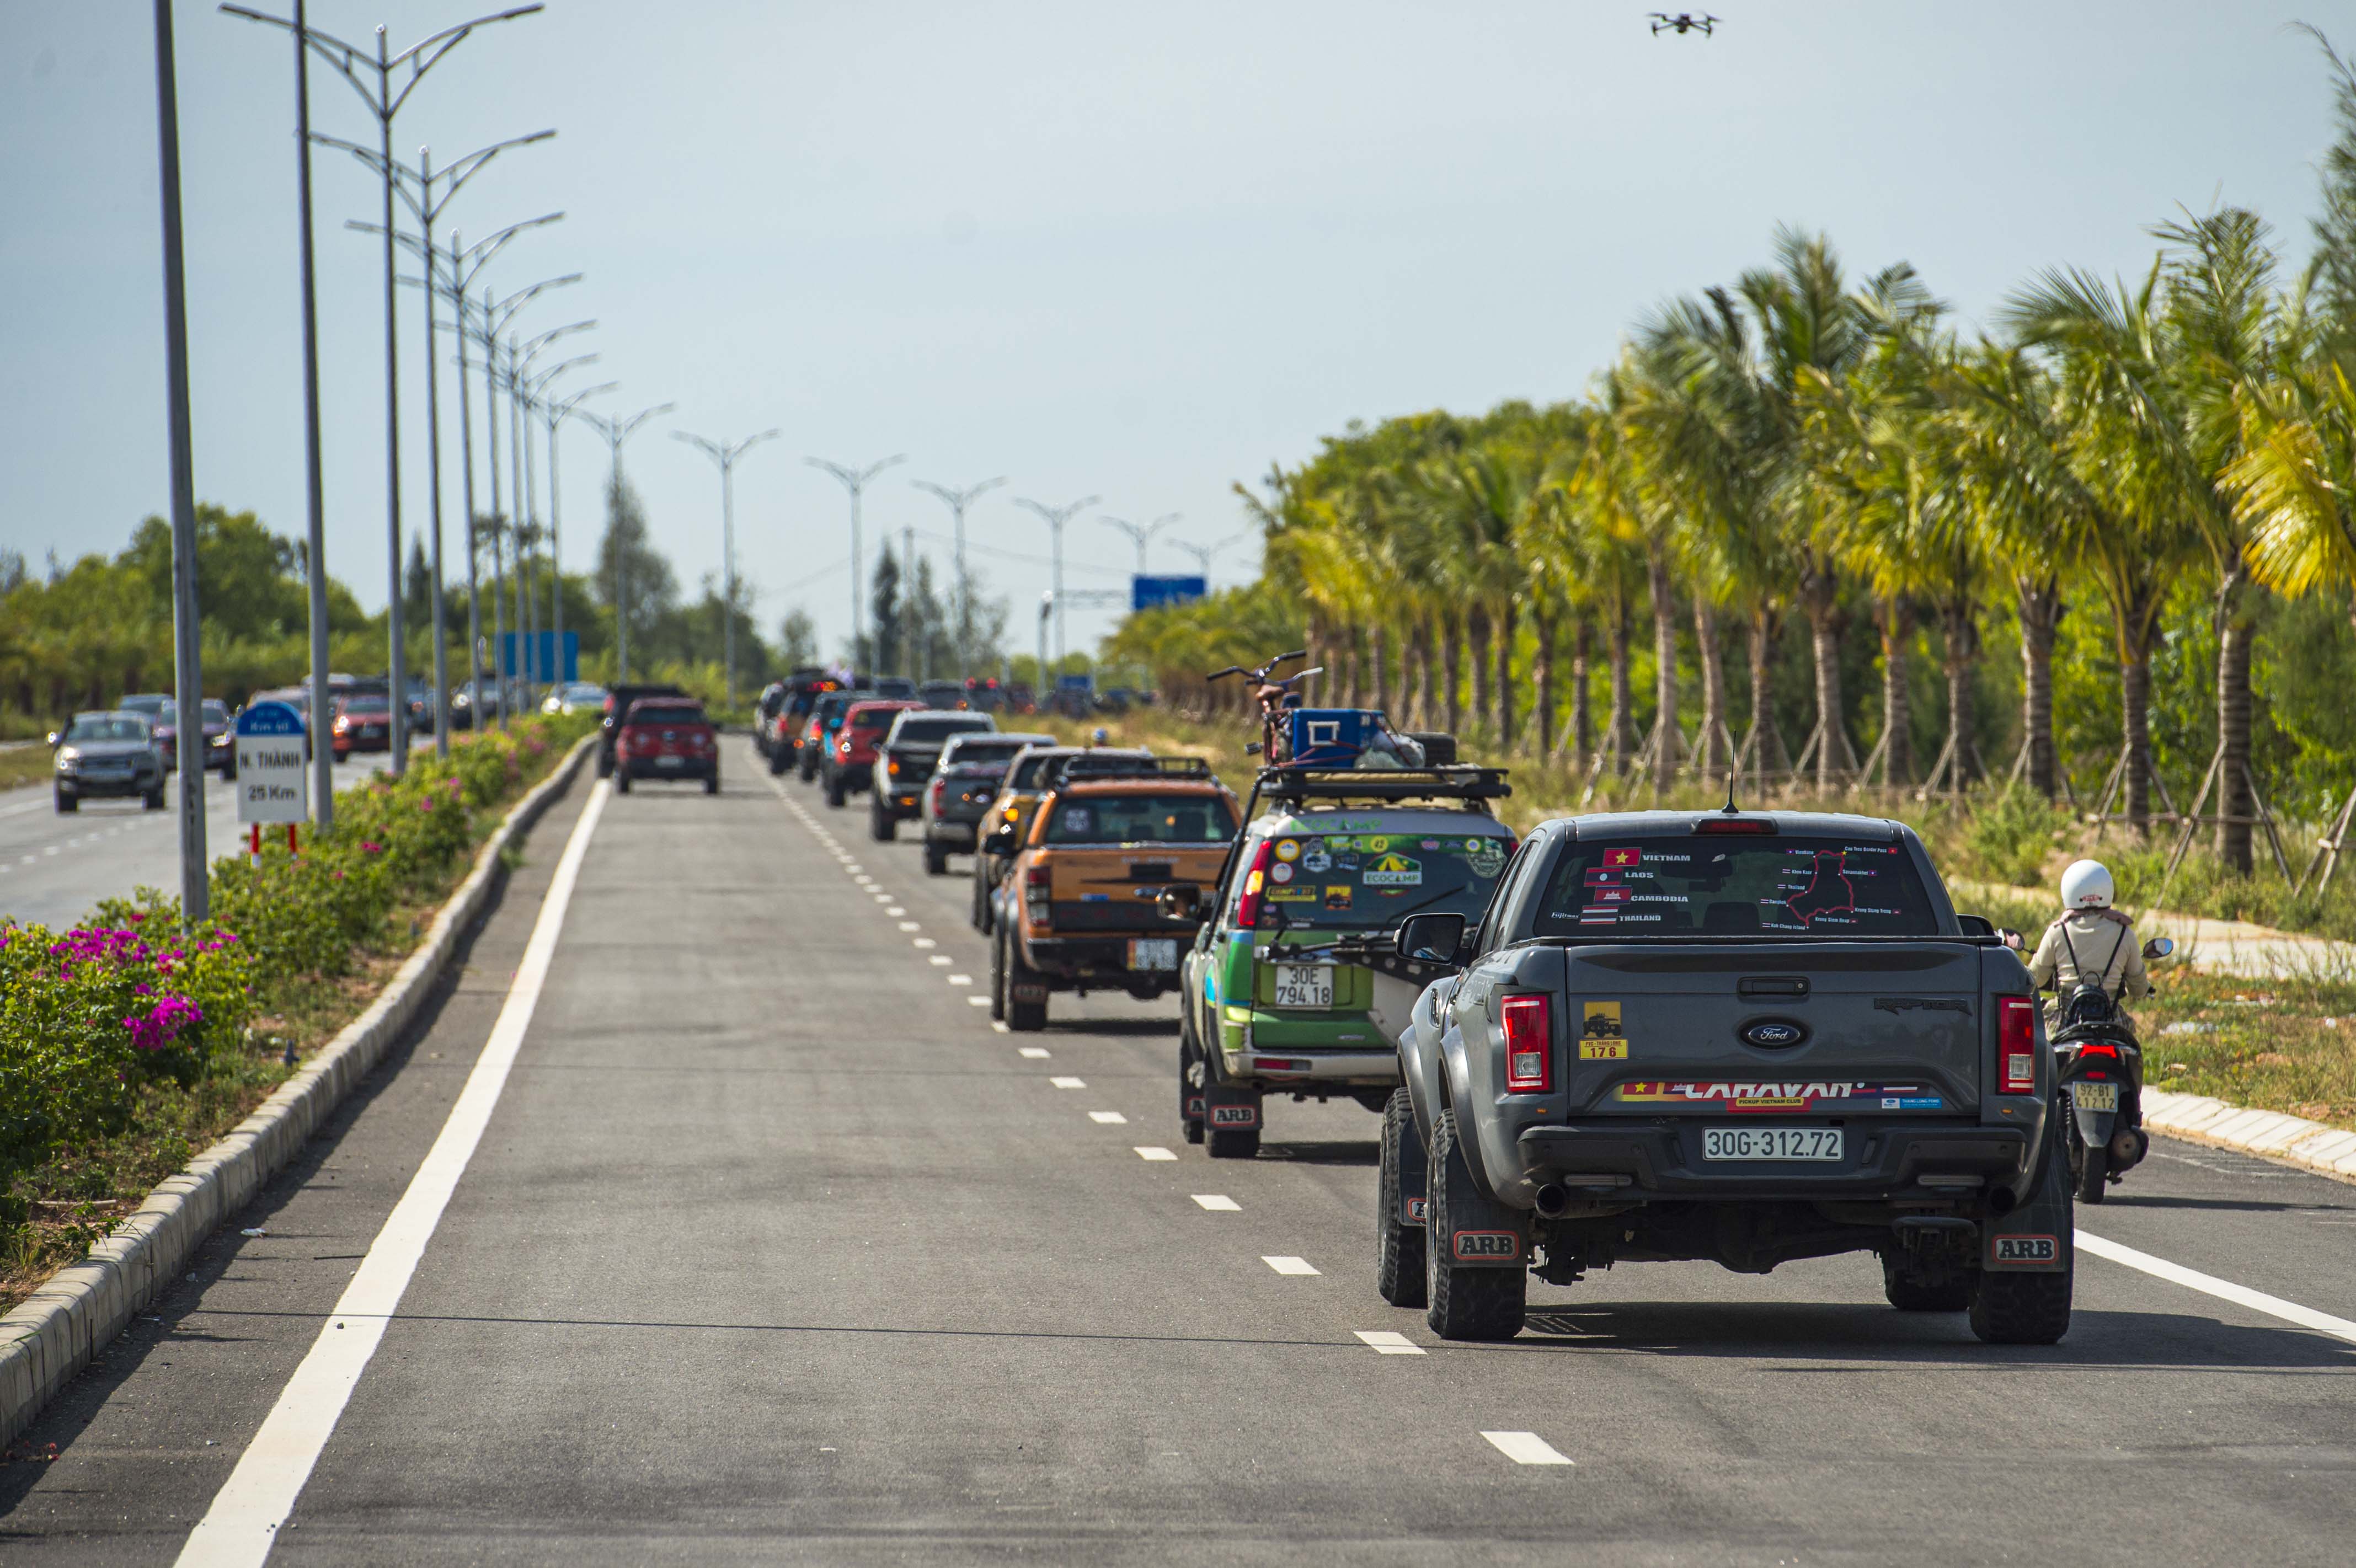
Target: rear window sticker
column 1316, row 860
column 1338, row 898
column 1288, row 848
column 1300, row 894
column 1393, row 871
column 1485, row 856
column 1279, row 872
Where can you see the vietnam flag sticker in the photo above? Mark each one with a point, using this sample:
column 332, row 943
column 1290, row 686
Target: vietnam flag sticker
column 1629, row 856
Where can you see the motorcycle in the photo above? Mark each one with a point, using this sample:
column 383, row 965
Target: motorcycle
column 2099, row 1076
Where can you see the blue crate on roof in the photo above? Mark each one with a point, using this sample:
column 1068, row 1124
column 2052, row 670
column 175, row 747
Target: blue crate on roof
column 1330, row 737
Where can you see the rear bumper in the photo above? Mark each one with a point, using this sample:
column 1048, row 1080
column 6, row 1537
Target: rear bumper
column 686, row 768
column 116, row 786
column 949, row 832
column 899, row 803
column 1067, row 962
column 855, row 776
column 1283, row 1067
column 1885, row 1159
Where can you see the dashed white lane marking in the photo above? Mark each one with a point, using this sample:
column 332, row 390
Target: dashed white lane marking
column 960, row 979
column 2222, row 1289
column 244, row 1520
column 997, row 1024
column 1108, row 1118
column 1035, row 1052
column 923, row 941
column 1069, row 1082
column 1526, row 1449
column 886, row 898
column 1290, row 1265
column 940, row 958
column 910, row 925
column 977, row 1001
column 1219, row 1203
column 1149, row 1151
column 1389, row 1342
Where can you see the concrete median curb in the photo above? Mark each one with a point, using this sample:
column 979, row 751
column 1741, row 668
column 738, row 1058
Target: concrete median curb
column 58, row 1331
column 2270, row 1135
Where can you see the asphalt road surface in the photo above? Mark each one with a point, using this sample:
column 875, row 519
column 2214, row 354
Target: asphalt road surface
column 54, row 866
column 772, row 1249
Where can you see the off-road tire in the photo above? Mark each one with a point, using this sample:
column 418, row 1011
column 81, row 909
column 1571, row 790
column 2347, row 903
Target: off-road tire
column 1485, row 1303
column 1190, row 1064
column 1231, row 1143
column 1398, row 1246
column 980, row 916
column 1909, row 1293
column 605, row 763
column 711, row 783
column 1022, row 1017
column 882, row 826
column 936, row 861
column 1439, row 747
column 621, row 784
column 834, row 794
column 778, row 760
column 153, row 802
column 67, row 801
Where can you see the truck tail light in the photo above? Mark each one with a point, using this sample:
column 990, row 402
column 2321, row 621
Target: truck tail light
column 940, row 790
column 2015, row 1044
column 1255, row 886
column 1529, row 1045
column 1035, row 904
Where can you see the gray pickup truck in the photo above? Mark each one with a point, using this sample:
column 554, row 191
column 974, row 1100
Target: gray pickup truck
column 1743, row 1037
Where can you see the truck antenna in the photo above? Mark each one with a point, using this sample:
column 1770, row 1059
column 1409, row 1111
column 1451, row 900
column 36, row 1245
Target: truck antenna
column 1730, row 809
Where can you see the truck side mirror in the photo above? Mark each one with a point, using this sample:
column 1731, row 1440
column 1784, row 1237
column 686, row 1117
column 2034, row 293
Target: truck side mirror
column 1976, row 925
column 1179, row 902
column 1000, row 841
column 53, row 739
column 2158, row 947
column 1430, row 938
column 2014, row 940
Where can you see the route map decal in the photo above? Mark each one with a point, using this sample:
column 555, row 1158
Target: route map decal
column 1828, row 891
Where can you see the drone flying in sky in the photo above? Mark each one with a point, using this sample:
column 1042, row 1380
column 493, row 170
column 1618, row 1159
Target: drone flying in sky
column 1683, row 22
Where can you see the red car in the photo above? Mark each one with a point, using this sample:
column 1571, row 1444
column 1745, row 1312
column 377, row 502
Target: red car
column 666, row 738
column 850, row 760
column 363, row 723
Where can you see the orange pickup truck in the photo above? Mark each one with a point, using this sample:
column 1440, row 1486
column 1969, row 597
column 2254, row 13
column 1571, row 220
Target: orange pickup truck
column 1080, row 907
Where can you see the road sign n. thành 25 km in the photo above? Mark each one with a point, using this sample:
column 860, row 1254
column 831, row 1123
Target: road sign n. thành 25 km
column 273, row 785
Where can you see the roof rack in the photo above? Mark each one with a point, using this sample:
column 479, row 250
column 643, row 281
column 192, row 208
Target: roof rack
column 1452, row 783
column 1088, row 765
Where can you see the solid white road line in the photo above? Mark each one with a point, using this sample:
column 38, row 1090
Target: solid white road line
column 2222, row 1289
column 1290, row 1265
column 1108, row 1118
column 244, row 1520
column 1219, row 1203
column 1034, row 1053
column 1389, row 1342
column 1526, row 1449
column 1148, row 1151
column 1069, row 1082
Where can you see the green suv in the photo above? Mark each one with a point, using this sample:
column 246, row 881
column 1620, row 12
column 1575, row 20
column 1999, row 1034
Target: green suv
column 1293, row 985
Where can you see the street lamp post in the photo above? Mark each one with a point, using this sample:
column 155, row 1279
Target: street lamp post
column 616, row 431
column 425, row 207
column 188, row 644
column 1055, row 518
column 384, row 101
column 553, row 410
column 855, row 481
column 1142, row 535
column 725, row 454
column 1204, row 552
column 493, row 317
column 958, row 500
column 523, row 387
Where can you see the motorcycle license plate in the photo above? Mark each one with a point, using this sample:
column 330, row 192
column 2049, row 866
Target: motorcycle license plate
column 2095, row 1096
column 1771, row 1143
column 1153, row 953
column 1304, row 986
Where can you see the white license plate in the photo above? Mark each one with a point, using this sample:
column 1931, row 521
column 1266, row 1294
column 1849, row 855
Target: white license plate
column 1153, row 953
column 670, row 761
column 1771, row 1143
column 1304, row 986
column 2095, row 1096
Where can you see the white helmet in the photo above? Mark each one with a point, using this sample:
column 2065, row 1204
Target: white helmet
column 2086, row 885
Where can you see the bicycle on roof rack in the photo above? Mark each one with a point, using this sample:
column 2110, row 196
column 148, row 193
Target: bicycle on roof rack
column 1351, row 739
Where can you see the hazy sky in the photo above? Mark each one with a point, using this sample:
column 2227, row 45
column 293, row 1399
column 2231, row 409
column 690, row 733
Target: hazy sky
column 1135, row 252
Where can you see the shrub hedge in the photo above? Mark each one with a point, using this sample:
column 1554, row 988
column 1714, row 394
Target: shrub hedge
column 92, row 1016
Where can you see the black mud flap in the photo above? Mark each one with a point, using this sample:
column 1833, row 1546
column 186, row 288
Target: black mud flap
column 1470, row 1228
column 2037, row 1237
column 1228, row 1109
column 1406, row 1168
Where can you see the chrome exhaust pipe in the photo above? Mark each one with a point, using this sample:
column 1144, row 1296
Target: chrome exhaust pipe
column 2128, row 1146
column 1552, row 1200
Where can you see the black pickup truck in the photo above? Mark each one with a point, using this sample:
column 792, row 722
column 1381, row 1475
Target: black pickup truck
column 1742, row 1038
column 904, row 763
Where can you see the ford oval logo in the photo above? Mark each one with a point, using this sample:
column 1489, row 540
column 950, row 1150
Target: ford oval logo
column 1773, row 1034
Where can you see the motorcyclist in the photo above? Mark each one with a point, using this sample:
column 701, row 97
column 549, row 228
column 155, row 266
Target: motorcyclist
column 2091, row 942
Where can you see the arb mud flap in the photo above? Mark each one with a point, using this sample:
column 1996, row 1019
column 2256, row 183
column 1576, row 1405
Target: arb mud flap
column 1227, row 1109
column 2036, row 1236
column 1470, row 1228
